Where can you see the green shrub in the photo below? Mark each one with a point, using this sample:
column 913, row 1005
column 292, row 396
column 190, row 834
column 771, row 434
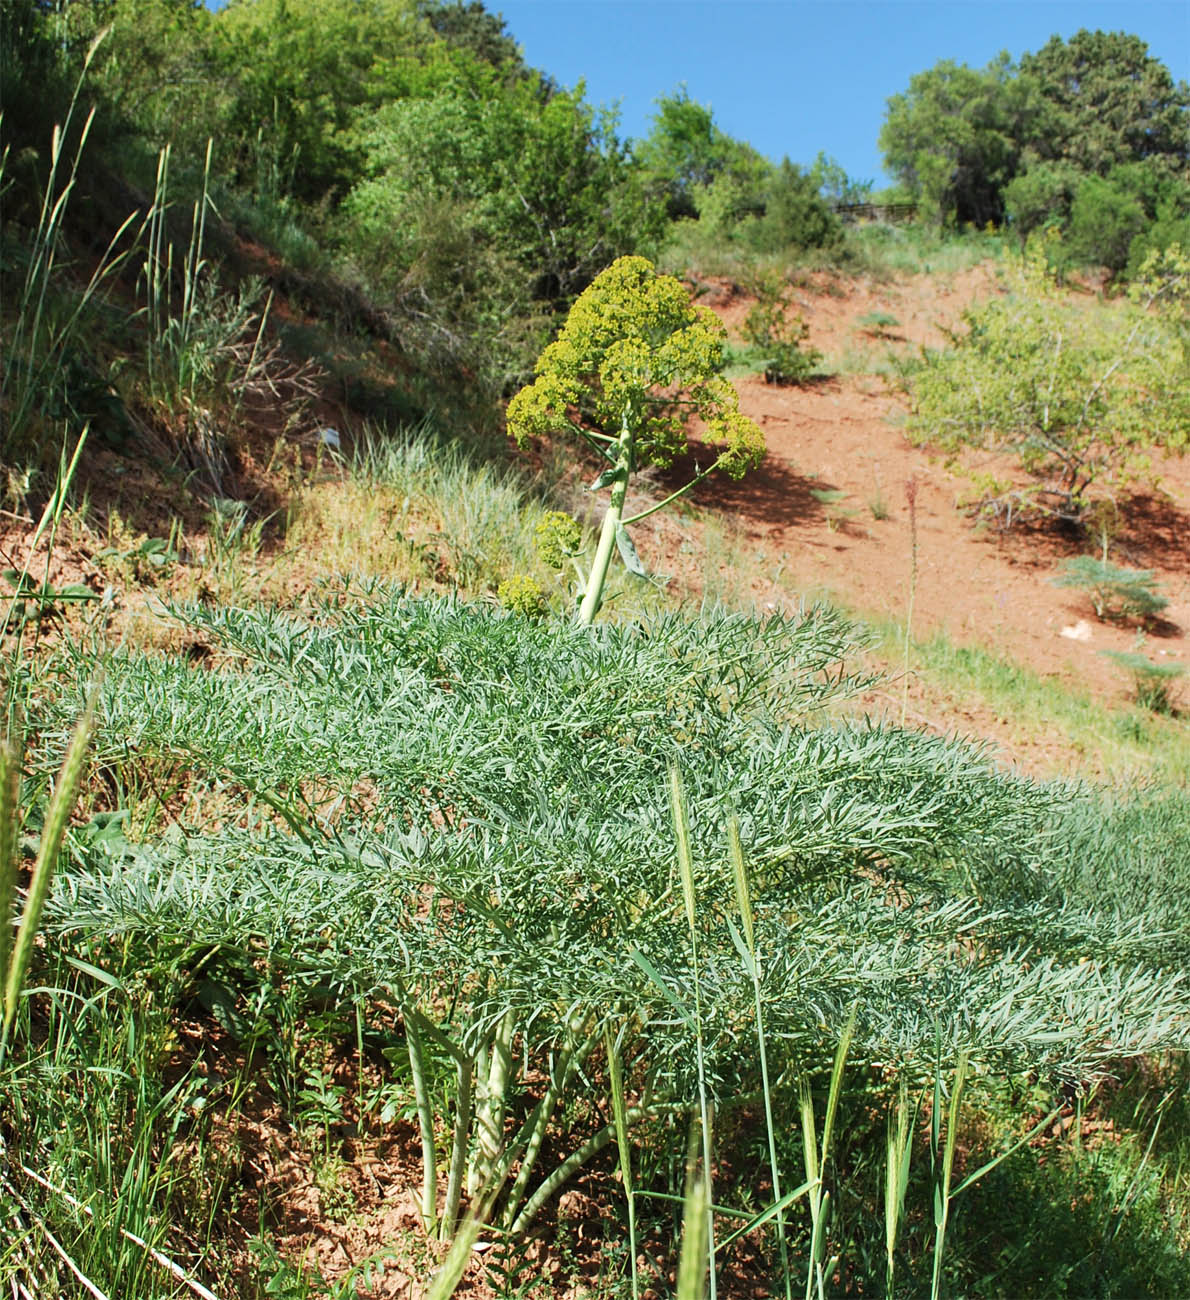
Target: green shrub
column 494, row 868
column 794, row 215
column 1080, row 397
column 879, row 324
column 1041, row 197
column 1151, row 682
column 1104, row 220
column 777, row 333
column 1115, row 592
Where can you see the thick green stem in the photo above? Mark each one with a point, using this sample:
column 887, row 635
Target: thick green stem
column 593, row 596
column 489, row 1116
column 458, row 1155
column 425, row 1122
column 568, row 1060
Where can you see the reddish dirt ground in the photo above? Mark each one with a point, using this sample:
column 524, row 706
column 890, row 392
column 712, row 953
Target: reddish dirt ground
column 977, row 584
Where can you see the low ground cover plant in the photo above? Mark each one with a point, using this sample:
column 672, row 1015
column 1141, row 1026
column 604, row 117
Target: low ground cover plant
column 1152, row 683
column 777, row 332
column 452, row 829
column 1115, row 591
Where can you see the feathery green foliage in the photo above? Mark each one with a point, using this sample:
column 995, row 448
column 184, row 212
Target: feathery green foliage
column 1115, row 592
column 468, row 827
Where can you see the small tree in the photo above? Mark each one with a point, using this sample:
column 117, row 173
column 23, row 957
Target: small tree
column 634, row 360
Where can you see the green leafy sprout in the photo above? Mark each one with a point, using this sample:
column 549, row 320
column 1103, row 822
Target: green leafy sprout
column 633, row 362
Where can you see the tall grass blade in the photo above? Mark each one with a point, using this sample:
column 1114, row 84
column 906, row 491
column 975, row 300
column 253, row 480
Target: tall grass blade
column 681, row 824
column 10, row 792
column 942, row 1192
column 57, row 816
column 898, row 1151
column 743, row 893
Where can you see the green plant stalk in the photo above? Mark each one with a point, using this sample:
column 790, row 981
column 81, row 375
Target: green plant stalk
column 465, row 1089
column 744, row 903
column 696, row 1216
column 597, row 579
column 942, row 1194
column 425, row 1124
column 51, row 517
column 816, row 1160
column 619, row 1114
column 896, row 1181
column 57, row 816
column 533, row 1131
column 573, row 1162
column 489, row 1114
column 686, row 872
column 450, row 1272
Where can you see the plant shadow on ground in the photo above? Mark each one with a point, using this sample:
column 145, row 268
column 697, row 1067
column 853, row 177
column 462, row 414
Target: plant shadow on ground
column 772, row 494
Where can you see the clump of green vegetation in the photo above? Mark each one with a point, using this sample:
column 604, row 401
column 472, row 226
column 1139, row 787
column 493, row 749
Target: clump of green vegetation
column 1151, row 682
column 1080, row 398
column 776, row 334
column 1115, row 592
column 508, row 895
column 837, row 514
column 879, row 324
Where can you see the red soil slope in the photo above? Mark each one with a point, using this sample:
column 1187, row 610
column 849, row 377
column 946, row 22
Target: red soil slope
column 979, row 585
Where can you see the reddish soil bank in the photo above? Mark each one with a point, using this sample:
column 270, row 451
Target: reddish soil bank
column 979, row 585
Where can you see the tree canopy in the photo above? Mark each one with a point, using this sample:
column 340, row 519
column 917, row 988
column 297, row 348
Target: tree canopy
column 981, row 144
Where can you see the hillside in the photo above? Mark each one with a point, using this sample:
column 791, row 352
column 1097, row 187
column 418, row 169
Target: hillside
column 470, row 823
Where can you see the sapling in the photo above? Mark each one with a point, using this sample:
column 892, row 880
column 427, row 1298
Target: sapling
column 634, row 360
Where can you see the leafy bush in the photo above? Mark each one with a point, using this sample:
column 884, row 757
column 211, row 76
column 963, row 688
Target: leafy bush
column 1080, row 397
column 793, row 214
column 777, row 334
column 1041, row 197
column 1115, row 592
column 1104, row 220
column 487, row 854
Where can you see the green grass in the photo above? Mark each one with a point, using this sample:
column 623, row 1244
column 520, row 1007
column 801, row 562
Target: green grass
column 886, row 250
column 1121, row 745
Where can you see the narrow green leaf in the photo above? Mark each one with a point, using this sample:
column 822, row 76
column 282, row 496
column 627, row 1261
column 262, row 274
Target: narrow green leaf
column 627, row 549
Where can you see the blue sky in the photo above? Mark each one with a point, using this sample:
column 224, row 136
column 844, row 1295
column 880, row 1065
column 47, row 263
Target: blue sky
column 796, row 76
